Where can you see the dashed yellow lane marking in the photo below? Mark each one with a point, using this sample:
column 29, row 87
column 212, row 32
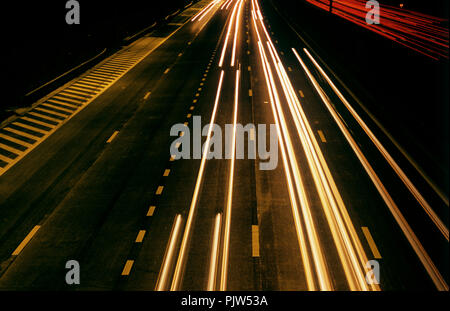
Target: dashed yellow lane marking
column 140, row 236
column 112, row 137
column 147, row 95
column 250, row 93
column 159, row 190
column 301, row 93
column 322, row 137
column 151, row 210
column 167, row 70
column 372, row 245
column 189, row 115
column 166, row 173
column 255, row 241
column 127, row 268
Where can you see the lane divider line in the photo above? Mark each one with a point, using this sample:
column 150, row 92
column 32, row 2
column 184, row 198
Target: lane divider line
column 127, row 268
column 140, row 236
column 372, row 245
column 151, row 210
column 322, row 137
column 255, row 241
column 112, row 137
column 25, row 241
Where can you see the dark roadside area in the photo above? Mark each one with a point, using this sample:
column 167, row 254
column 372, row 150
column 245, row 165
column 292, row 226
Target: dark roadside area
column 39, row 46
column 406, row 91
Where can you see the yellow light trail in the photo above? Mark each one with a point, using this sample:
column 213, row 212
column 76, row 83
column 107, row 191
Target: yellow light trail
column 208, row 7
column 204, row 14
column 408, row 232
column 407, row 182
column 225, row 44
column 182, row 254
column 236, row 33
column 284, row 135
column 226, row 236
column 168, row 257
column 227, row 3
column 214, row 254
column 349, row 248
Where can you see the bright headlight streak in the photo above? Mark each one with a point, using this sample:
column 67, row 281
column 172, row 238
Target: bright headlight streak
column 434, row 274
column 223, row 5
column 327, row 199
column 254, row 15
column 225, row 44
column 343, row 211
column 407, row 182
column 226, row 235
column 228, row 4
column 319, row 260
column 326, row 188
column 236, row 33
column 307, row 217
column 168, row 257
column 182, row 254
column 204, row 14
column 347, row 255
column 257, row 8
column 326, row 193
column 298, row 226
column 202, row 11
column 214, row 254
column 324, row 281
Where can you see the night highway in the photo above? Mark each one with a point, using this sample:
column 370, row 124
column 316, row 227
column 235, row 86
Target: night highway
column 228, row 147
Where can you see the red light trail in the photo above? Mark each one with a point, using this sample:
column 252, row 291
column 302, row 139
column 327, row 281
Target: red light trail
column 420, row 32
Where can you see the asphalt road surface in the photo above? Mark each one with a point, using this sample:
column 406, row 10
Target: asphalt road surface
column 88, row 175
